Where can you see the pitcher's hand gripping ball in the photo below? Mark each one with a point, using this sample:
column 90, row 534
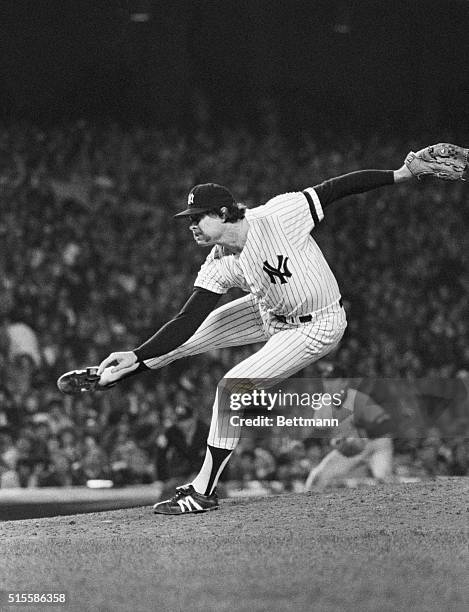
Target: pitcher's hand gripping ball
column 80, row 381
column 444, row 161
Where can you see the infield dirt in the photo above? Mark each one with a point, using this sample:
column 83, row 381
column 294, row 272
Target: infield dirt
column 386, row 548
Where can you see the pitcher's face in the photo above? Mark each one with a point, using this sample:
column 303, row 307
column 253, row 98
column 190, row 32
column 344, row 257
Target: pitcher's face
column 207, row 228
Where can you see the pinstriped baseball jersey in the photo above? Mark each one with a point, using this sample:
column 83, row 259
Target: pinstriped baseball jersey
column 280, row 264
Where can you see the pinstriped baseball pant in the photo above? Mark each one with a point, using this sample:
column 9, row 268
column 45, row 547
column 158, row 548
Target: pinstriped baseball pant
column 288, row 348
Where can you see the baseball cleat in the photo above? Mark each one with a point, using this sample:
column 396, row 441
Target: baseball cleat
column 187, row 501
column 81, row 381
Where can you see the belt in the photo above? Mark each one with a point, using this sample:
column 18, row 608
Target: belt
column 302, row 319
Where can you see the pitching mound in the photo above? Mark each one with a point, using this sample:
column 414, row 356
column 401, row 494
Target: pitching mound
column 389, row 548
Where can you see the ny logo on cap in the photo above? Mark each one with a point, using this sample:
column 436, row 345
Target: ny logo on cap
column 190, row 199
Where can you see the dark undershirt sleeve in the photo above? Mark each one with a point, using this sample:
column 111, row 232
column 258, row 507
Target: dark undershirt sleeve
column 181, row 328
column 355, row 182
column 141, row 368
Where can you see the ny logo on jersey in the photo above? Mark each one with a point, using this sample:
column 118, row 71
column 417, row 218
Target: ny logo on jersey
column 281, row 271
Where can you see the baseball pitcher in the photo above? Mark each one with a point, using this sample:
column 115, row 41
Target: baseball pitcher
column 292, row 303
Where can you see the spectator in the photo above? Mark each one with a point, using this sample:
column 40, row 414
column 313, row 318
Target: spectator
column 293, row 466
column 8, row 459
column 182, row 447
column 130, row 464
column 243, row 466
column 94, row 465
column 23, row 341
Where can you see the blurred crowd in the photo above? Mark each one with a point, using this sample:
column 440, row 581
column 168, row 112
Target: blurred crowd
column 91, row 261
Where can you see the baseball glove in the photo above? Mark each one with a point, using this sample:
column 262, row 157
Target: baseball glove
column 444, row 161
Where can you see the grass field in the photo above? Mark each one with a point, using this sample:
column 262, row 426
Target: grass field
column 387, row 548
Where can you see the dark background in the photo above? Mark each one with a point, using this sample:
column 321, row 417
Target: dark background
column 352, row 63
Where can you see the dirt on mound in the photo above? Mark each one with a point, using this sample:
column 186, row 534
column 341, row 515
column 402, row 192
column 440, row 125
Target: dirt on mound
column 390, row 547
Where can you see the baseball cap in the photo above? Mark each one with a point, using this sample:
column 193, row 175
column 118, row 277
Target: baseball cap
column 205, row 197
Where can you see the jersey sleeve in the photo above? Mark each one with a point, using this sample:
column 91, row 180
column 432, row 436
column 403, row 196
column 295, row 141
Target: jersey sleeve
column 215, row 275
column 315, row 206
column 297, row 212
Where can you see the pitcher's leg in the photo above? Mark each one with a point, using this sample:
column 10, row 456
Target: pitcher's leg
column 286, row 352
column 234, row 324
